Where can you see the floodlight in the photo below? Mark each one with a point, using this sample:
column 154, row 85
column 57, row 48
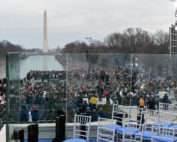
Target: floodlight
column 175, row 28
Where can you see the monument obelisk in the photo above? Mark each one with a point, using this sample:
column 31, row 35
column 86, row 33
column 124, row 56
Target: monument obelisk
column 45, row 48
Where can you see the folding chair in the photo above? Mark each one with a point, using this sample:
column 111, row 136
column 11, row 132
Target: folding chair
column 130, row 115
column 151, row 115
column 165, row 134
column 166, row 107
column 174, row 122
column 159, row 118
column 118, row 113
column 129, row 132
column 81, row 129
column 165, row 119
column 146, row 132
column 106, row 130
column 136, row 115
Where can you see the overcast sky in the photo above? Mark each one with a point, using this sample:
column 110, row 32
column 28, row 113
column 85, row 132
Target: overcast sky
column 21, row 21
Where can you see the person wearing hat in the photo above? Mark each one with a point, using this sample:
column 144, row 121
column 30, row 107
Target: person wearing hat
column 93, row 101
column 35, row 114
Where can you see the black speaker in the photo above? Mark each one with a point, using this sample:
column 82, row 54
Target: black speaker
column 15, row 135
column 21, row 135
column 60, row 129
column 33, row 133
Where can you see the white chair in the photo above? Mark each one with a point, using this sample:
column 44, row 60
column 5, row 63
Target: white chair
column 146, row 132
column 174, row 122
column 165, row 119
column 151, row 115
column 118, row 113
column 165, row 134
column 166, row 107
column 106, row 130
column 81, row 130
column 159, row 118
column 126, row 114
column 129, row 132
column 136, row 115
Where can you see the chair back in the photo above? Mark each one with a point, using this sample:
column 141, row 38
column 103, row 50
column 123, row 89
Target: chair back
column 118, row 113
column 151, row 115
column 166, row 107
column 129, row 131
column 165, row 134
column 136, row 115
column 106, row 130
column 82, row 126
column 148, row 128
column 166, row 116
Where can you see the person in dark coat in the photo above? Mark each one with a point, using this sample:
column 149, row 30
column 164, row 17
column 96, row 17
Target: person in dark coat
column 152, row 104
column 35, row 114
column 165, row 100
column 23, row 114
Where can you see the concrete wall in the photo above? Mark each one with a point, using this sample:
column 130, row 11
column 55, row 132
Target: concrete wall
column 47, row 130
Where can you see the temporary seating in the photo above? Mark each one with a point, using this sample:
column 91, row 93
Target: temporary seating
column 106, row 130
column 165, row 134
column 174, row 122
column 166, row 107
column 151, row 115
column 118, row 113
column 165, row 119
column 146, row 132
column 128, row 114
column 129, row 131
column 81, row 129
column 159, row 118
column 135, row 115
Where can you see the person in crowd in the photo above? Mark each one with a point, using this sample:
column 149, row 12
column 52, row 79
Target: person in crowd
column 23, row 114
column 35, row 114
column 93, row 101
column 30, row 116
column 151, row 105
column 141, row 101
column 165, row 101
column 157, row 102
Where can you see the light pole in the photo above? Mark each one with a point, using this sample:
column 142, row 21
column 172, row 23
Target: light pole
column 173, row 34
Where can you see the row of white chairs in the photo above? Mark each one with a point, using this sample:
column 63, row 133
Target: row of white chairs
column 127, row 125
column 139, row 133
column 133, row 132
column 156, row 130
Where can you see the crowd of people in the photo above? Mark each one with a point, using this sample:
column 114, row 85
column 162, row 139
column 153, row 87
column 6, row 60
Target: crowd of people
column 118, row 85
column 44, row 94
column 41, row 92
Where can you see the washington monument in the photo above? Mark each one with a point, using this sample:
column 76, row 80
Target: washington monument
column 45, row 48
